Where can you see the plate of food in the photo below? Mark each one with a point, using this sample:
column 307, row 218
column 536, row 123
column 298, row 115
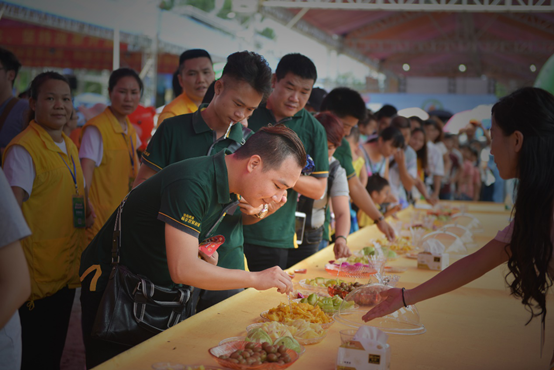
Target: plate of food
column 328, row 305
column 342, row 267
column 318, row 283
column 250, row 356
column 303, row 311
column 304, row 332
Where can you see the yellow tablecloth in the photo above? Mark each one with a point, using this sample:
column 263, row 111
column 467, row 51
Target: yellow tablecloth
column 479, row 326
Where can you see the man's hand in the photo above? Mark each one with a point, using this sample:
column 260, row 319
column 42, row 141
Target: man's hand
column 247, row 209
column 386, row 229
column 341, row 249
column 399, row 157
column 273, row 277
column 277, row 203
column 212, row 260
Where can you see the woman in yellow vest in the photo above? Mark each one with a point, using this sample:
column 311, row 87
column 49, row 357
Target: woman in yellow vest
column 43, row 169
column 108, row 149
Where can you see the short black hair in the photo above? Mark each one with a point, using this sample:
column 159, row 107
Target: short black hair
column 9, row 62
column 193, row 54
column 376, row 183
column 400, row 123
column 386, row 110
column 251, row 68
column 118, row 74
column 393, row 134
column 177, row 89
column 298, row 64
column 274, row 144
column 316, row 98
column 417, row 119
column 343, row 101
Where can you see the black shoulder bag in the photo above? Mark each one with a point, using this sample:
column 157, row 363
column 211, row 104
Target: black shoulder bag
column 132, row 308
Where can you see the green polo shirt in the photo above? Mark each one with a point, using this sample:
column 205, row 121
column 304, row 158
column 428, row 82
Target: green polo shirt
column 190, row 195
column 278, row 229
column 344, row 156
column 188, row 136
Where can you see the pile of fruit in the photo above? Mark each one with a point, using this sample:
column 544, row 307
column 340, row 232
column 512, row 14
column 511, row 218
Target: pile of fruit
column 327, row 304
column 254, row 354
column 342, row 289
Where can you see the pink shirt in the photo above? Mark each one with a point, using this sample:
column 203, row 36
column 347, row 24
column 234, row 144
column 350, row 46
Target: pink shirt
column 470, row 177
column 505, row 236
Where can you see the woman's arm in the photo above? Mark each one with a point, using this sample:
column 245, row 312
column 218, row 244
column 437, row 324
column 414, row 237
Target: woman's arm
column 457, row 275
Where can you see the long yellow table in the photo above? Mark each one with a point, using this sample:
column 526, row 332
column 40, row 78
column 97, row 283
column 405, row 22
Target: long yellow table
column 479, row 326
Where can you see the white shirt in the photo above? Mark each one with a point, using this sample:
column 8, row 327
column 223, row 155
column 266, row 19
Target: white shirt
column 20, row 170
column 92, row 146
column 434, row 157
column 397, row 189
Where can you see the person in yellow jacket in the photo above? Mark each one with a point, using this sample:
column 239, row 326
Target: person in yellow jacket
column 195, row 74
column 42, row 167
column 108, row 150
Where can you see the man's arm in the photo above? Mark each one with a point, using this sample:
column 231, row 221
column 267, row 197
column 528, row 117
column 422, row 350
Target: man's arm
column 185, row 268
column 311, row 187
column 341, row 209
column 145, row 172
column 361, row 198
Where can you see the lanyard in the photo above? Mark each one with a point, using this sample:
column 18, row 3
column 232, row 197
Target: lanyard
column 73, row 174
column 132, row 150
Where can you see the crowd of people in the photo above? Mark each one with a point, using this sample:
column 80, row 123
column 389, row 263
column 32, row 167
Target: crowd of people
column 237, row 158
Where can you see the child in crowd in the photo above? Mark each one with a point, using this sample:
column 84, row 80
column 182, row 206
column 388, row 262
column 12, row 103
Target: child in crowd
column 367, row 127
column 469, row 181
column 42, row 167
column 379, row 190
column 449, row 187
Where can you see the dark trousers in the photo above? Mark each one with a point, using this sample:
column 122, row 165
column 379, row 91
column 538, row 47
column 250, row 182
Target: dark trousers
column 208, row 298
column 97, row 350
column 44, row 329
column 260, row 258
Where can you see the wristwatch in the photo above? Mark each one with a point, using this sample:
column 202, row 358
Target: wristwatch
column 381, row 218
column 263, row 212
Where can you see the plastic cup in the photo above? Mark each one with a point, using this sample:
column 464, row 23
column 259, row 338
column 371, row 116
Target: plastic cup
column 347, row 335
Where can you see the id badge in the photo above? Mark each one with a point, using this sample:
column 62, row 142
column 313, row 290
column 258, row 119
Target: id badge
column 78, row 211
column 210, row 245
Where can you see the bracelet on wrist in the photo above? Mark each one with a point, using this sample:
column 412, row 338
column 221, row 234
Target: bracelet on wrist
column 340, row 236
column 403, row 299
column 381, row 218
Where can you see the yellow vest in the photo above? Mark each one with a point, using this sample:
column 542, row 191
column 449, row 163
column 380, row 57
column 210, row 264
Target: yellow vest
column 111, row 180
column 53, row 251
column 180, row 105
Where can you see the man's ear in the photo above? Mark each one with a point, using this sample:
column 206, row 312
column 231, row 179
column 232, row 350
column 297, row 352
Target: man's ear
column 273, row 80
column 518, row 140
column 218, row 87
column 254, row 163
column 11, row 76
column 32, row 103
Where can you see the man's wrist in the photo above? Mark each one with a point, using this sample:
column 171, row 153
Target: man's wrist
column 379, row 219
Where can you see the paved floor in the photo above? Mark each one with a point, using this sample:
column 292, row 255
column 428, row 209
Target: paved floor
column 74, row 352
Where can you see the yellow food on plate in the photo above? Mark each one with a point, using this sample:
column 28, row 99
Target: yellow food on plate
column 305, row 311
column 402, row 244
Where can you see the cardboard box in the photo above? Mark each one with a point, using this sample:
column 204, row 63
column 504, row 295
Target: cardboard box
column 353, row 356
column 426, row 260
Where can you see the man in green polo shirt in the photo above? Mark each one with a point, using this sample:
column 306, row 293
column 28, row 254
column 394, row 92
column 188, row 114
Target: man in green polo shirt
column 267, row 242
column 164, row 219
column 244, row 82
column 349, row 107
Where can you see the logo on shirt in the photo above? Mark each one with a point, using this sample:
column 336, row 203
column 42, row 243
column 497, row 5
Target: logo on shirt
column 190, row 220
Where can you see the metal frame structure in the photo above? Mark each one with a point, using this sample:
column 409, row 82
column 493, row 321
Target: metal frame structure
column 419, row 5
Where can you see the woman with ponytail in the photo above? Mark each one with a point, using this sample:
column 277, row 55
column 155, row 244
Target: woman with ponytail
column 523, row 148
column 43, row 170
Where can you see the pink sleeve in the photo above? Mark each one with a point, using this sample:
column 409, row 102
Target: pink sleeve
column 505, row 236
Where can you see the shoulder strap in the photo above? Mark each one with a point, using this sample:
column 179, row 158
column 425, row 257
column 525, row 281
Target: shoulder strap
column 116, row 240
column 7, row 111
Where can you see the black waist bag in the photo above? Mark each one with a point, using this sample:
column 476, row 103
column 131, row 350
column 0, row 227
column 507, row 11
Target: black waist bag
column 132, row 308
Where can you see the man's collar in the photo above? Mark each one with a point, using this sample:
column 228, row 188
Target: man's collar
column 200, row 126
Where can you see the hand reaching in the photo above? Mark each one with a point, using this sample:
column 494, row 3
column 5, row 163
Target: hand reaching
column 273, row 277
column 386, row 229
column 341, row 249
column 391, row 303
